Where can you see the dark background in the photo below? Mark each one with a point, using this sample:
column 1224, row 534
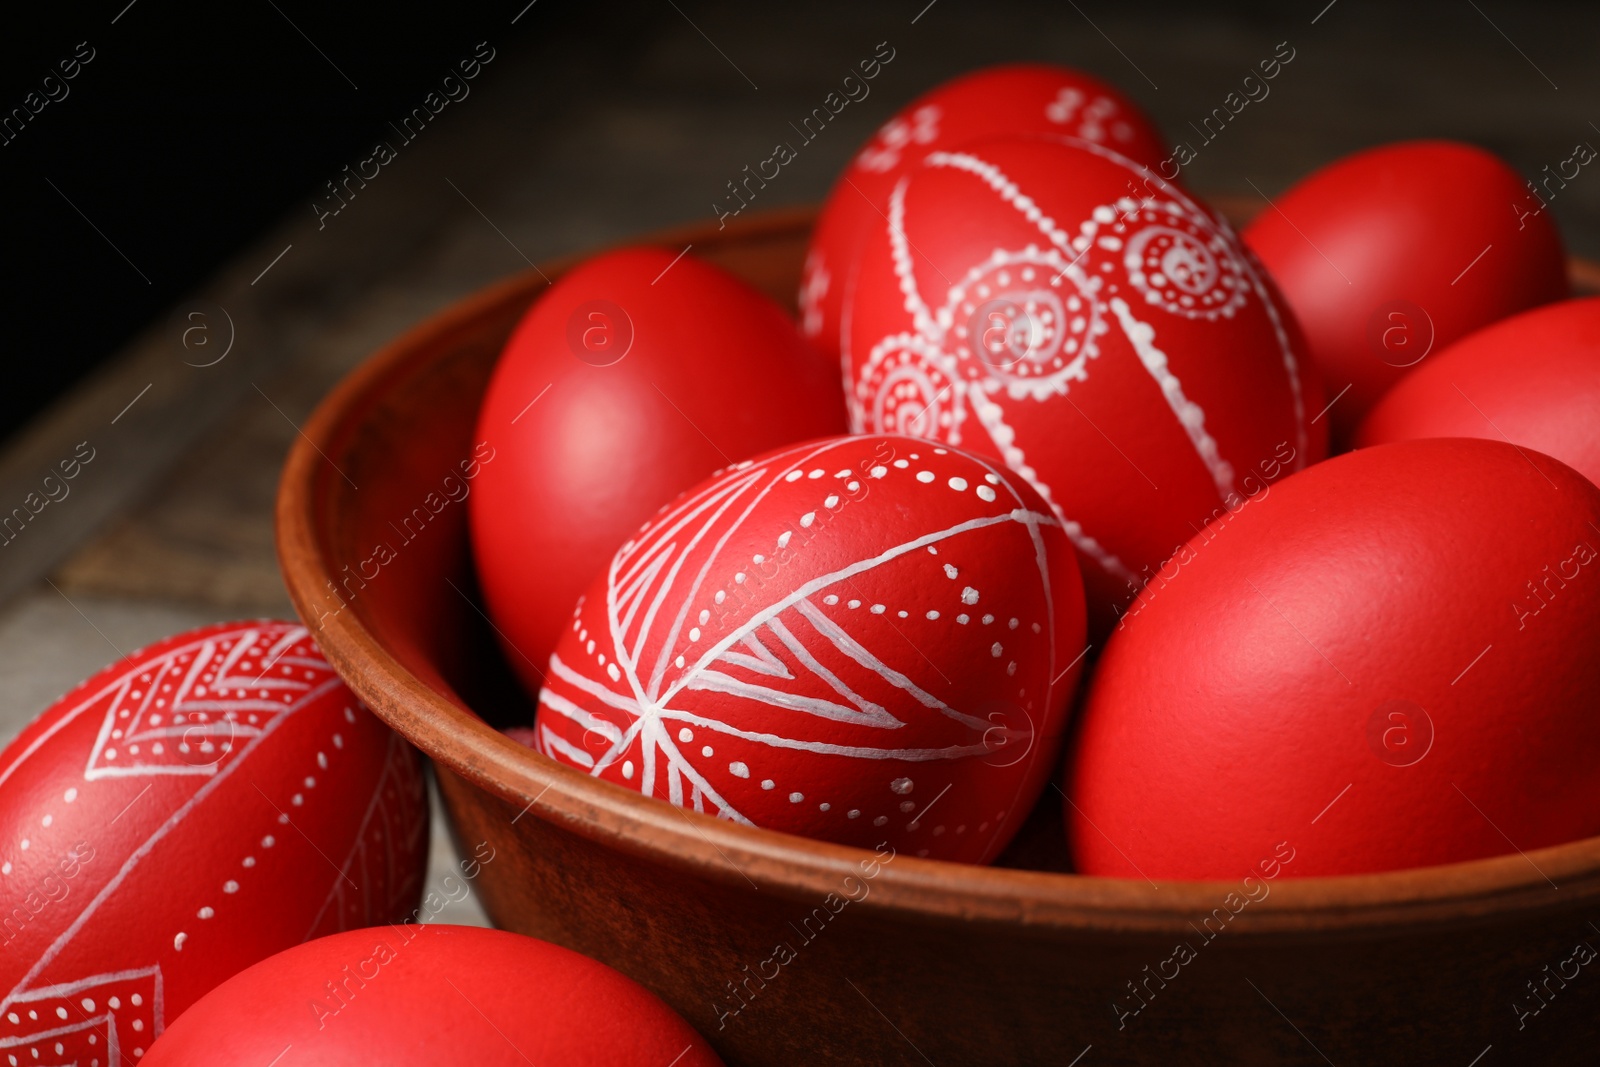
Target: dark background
column 195, row 126
column 198, row 127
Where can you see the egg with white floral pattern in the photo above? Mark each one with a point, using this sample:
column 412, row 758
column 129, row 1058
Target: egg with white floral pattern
column 1050, row 303
column 1006, row 99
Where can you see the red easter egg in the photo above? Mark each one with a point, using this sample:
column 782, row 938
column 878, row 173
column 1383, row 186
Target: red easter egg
column 1387, row 661
column 1396, row 251
column 859, row 639
column 188, row 811
column 425, row 995
column 1012, row 98
column 1533, row 380
column 631, row 379
column 1126, row 356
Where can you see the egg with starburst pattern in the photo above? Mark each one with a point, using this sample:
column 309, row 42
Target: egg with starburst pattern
column 860, row 639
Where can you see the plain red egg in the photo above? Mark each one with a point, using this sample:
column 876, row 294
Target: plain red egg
column 865, row 640
column 1013, row 98
column 1394, row 252
column 1533, row 380
column 635, row 376
column 1124, row 355
column 417, row 996
column 188, row 811
column 1386, row 662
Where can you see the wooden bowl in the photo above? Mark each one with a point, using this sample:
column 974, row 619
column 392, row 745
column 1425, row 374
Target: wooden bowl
column 783, row 950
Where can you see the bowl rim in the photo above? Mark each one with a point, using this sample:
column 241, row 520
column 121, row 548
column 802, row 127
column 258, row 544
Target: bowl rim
column 918, row 890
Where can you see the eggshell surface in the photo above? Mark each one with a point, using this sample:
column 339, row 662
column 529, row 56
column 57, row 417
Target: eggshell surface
column 184, row 813
column 634, row 377
column 1532, row 379
column 425, row 995
column 1013, row 98
column 1394, row 252
column 860, row 639
column 1123, row 354
column 1386, row 662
